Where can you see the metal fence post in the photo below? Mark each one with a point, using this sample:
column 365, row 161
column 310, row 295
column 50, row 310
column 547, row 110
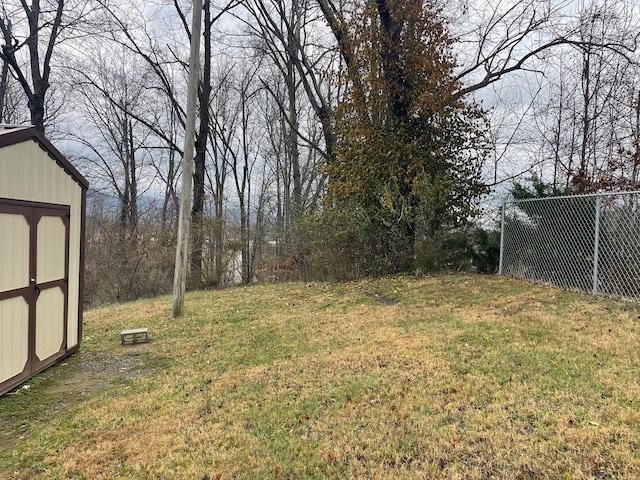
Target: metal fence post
column 504, row 205
column 596, row 246
column 562, row 241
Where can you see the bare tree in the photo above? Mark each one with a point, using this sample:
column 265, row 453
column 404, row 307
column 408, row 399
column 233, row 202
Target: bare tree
column 109, row 95
column 202, row 135
column 165, row 63
column 13, row 108
column 298, row 108
column 291, row 36
column 28, row 52
column 4, row 72
column 243, row 161
column 585, row 118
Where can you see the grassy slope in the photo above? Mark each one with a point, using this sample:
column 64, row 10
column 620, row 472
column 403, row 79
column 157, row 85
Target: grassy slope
column 446, row 377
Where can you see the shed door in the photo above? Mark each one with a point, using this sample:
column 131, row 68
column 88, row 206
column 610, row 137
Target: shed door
column 34, row 254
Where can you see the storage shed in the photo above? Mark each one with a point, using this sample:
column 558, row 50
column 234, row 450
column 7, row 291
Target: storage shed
column 42, row 222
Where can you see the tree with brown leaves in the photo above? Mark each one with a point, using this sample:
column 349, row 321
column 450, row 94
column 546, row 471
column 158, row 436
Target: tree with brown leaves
column 409, row 149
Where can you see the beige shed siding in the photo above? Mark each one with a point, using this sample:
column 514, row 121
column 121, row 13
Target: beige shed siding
column 14, row 337
column 27, row 174
column 51, row 249
column 14, row 252
column 49, row 326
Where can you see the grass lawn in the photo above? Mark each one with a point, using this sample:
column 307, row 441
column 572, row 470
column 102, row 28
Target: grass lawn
column 452, row 376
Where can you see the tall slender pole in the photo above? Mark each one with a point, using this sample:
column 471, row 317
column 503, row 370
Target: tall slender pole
column 502, row 226
column 596, row 246
column 182, row 247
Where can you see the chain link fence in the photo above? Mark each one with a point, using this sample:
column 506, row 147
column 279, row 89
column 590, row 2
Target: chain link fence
column 588, row 242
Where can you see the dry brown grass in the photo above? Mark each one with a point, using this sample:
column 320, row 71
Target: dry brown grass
column 457, row 377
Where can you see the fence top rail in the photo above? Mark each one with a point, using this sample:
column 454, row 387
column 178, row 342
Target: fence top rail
column 561, row 197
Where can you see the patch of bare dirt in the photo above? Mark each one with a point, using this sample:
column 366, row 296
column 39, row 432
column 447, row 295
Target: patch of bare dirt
column 65, row 385
column 381, row 298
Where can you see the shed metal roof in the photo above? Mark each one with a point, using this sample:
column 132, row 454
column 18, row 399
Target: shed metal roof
column 13, row 134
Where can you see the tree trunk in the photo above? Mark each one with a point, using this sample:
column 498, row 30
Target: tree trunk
column 197, row 211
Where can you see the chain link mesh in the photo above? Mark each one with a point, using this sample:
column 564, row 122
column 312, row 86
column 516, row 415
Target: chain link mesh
column 586, row 242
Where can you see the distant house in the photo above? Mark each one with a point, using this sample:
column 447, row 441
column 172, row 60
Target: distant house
column 42, row 221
